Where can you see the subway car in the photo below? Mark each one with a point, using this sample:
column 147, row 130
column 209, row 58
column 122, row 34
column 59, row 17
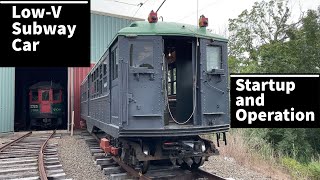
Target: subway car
column 46, row 105
column 158, row 87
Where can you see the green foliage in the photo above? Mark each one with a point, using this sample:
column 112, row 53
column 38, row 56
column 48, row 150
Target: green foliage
column 256, row 142
column 314, row 169
column 302, row 171
column 297, row 143
column 300, row 54
column 262, row 40
column 265, row 23
column 296, row 169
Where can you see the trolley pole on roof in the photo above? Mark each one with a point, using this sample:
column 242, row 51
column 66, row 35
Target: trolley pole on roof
column 161, row 5
column 197, row 23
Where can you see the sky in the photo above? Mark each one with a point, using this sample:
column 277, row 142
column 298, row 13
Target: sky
column 185, row 11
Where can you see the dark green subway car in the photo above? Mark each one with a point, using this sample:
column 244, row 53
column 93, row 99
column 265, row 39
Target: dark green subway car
column 156, row 89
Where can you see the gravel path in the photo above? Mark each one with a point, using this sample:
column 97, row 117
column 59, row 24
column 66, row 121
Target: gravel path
column 76, row 159
column 228, row 168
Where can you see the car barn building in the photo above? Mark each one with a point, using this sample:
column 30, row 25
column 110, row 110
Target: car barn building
column 15, row 82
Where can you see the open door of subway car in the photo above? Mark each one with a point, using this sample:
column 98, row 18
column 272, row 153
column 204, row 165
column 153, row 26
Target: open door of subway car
column 156, row 65
column 180, row 85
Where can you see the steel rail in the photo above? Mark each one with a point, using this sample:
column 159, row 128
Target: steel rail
column 42, row 170
column 127, row 168
column 15, row 141
column 95, row 137
column 130, row 170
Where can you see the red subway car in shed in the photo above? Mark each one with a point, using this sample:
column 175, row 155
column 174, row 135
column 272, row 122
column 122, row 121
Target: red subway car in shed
column 46, row 105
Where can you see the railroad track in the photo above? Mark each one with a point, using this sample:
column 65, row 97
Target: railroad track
column 115, row 169
column 30, row 157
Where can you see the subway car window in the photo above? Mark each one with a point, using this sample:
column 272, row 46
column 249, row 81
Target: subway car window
column 115, row 63
column 45, row 95
column 213, row 58
column 35, row 96
column 105, row 84
column 56, row 95
column 105, row 67
column 142, row 55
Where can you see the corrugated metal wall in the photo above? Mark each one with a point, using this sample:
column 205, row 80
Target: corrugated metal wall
column 7, row 99
column 78, row 76
column 103, row 30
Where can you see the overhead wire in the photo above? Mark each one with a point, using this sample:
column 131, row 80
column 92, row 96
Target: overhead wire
column 123, row 2
column 140, row 5
column 130, row 4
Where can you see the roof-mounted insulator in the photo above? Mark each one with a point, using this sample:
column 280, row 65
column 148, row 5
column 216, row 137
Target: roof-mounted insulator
column 153, row 17
column 203, row 21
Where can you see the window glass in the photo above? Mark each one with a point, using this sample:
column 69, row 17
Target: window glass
column 97, row 86
column 115, row 63
column 174, row 74
column 56, row 95
column 142, row 53
column 105, row 67
column 169, row 75
column 100, row 89
column 213, row 58
column 131, row 55
column 35, row 96
column 105, row 84
column 169, row 89
column 174, row 88
column 45, row 95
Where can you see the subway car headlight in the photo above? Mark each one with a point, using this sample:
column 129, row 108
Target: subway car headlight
column 203, row 147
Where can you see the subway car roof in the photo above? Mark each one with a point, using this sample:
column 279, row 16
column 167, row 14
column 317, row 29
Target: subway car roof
column 145, row 28
column 168, row 29
column 45, row 85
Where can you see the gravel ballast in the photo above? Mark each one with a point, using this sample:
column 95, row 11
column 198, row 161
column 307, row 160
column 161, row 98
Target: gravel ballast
column 76, row 159
column 78, row 164
column 6, row 138
column 228, row 168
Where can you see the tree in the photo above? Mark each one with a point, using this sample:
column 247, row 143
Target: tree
column 300, row 54
column 263, row 40
column 266, row 23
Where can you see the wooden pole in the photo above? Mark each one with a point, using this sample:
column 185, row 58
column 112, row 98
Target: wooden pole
column 69, row 82
column 72, row 123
